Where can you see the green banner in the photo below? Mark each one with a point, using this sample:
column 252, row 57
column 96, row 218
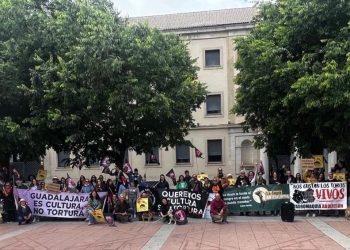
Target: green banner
column 257, row 198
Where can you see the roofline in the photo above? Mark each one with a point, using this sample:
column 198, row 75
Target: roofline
column 191, row 12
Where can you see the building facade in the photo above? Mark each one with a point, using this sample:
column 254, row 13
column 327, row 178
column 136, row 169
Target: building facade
column 218, row 135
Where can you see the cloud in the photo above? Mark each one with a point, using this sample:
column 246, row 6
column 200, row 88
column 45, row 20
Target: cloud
column 157, row 7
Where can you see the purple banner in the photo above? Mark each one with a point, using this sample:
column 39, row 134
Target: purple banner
column 62, row 205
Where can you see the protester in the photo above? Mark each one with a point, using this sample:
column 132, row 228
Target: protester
column 164, row 210
column 123, row 186
column 333, row 211
column 34, row 185
column 275, row 180
column 162, row 183
column 321, row 178
column 207, row 185
column 136, row 177
column 63, row 186
column 94, row 203
column 260, row 181
column 216, row 186
column 298, row 178
column 218, row 210
column 181, row 184
column 100, row 186
column 220, row 174
column 122, row 210
column 93, row 181
column 187, row 176
column 195, row 184
column 9, row 207
column 87, row 187
column 24, row 213
column 251, row 177
column 289, row 179
column 21, row 185
column 133, row 194
column 81, row 182
column 242, row 180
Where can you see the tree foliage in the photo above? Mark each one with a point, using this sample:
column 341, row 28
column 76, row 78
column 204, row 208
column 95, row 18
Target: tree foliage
column 96, row 86
column 295, row 76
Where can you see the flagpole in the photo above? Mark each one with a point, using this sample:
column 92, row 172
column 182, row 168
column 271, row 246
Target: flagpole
column 197, row 165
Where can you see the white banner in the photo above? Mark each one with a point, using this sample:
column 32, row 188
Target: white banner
column 62, row 205
column 318, row 196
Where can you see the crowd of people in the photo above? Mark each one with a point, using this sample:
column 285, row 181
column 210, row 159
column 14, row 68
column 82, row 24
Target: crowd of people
column 127, row 187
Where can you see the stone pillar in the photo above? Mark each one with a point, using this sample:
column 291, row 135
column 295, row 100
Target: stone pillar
column 265, row 161
column 332, row 160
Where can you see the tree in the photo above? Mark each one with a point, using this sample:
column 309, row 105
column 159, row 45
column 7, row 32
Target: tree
column 21, row 23
column 294, row 82
column 104, row 87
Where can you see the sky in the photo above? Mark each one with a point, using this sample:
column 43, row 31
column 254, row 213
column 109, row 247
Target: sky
column 132, row 8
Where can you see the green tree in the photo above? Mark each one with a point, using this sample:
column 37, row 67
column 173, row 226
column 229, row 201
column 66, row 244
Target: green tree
column 21, row 23
column 294, row 82
column 104, row 87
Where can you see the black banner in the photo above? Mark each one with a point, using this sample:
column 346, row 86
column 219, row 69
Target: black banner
column 191, row 202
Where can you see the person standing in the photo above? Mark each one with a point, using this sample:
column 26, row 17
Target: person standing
column 9, row 207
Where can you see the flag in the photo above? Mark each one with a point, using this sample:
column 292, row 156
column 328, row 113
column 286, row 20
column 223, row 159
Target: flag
column 127, row 168
column 198, row 153
column 16, row 173
column 171, row 175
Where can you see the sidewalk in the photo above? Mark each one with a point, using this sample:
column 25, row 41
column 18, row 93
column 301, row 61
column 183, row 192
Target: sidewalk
column 241, row 233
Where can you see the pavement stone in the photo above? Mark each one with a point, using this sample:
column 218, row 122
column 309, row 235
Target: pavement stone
column 241, row 233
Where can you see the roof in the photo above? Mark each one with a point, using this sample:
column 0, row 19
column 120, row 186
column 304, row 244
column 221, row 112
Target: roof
column 198, row 19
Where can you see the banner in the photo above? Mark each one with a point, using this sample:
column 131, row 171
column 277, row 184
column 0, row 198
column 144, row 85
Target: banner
column 256, row 198
column 62, row 205
column 308, row 163
column 191, row 202
column 319, row 196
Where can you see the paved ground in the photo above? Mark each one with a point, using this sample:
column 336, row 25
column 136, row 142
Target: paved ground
column 241, row 233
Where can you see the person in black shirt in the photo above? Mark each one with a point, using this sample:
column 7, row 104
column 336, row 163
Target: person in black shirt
column 162, row 183
column 164, row 210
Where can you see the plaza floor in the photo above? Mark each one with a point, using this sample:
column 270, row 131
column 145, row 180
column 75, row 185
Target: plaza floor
column 241, row 233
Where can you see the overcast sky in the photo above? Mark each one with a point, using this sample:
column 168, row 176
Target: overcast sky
column 134, row 8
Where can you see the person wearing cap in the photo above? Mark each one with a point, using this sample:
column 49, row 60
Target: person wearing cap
column 24, row 213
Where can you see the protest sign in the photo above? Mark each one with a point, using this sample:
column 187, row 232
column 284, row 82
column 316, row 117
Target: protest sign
column 53, row 188
column 191, row 202
column 257, row 198
column 98, row 215
column 307, row 163
column 142, row 205
column 339, row 176
column 318, row 161
column 201, row 177
column 41, row 175
column 319, row 195
column 62, row 205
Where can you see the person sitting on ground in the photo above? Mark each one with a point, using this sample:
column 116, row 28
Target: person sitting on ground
column 181, row 183
column 164, row 210
column 218, row 210
column 122, row 210
column 24, row 213
column 94, row 203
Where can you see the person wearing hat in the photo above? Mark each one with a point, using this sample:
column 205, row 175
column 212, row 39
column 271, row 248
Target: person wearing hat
column 24, row 213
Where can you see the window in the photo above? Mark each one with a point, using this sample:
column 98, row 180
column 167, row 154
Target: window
column 153, row 156
column 212, row 58
column 213, row 103
column 214, row 151
column 63, row 159
column 182, row 154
